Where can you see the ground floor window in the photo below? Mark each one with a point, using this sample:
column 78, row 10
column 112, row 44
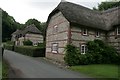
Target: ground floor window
column 97, row 34
column 55, row 47
column 83, row 49
column 118, row 30
column 35, row 43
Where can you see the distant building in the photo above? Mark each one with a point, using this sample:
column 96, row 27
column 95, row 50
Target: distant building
column 70, row 23
column 31, row 33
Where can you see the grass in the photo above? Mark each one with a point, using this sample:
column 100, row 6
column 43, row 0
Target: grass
column 98, row 70
column 5, row 70
column 0, row 69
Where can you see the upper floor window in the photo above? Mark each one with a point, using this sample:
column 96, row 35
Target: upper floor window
column 83, row 49
column 55, row 47
column 20, row 35
column 118, row 30
column 55, row 29
column 85, row 31
column 97, row 34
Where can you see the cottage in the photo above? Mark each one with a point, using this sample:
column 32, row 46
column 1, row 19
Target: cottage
column 31, row 33
column 71, row 23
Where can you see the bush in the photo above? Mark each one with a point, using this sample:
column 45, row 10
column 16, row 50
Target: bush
column 30, row 51
column 72, row 55
column 98, row 53
column 42, row 45
column 102, row 52
column 28, row 43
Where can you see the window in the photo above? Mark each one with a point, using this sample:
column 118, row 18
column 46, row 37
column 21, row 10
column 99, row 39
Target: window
column 85, row 31
column 118, row 30
column 20, row 35
column 55, row 47
column 55, row 29
column 97, row 34
column 83, row 49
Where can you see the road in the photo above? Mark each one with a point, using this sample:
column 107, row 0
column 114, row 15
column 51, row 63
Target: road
column 27, row 67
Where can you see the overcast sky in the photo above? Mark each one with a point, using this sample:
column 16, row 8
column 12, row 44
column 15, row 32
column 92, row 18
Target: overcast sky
column 22, row 10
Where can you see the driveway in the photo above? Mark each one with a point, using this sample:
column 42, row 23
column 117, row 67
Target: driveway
column 28, row 67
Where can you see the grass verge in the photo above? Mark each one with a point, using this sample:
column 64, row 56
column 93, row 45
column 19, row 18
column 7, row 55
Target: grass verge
column 5, row 69
column 98, row 70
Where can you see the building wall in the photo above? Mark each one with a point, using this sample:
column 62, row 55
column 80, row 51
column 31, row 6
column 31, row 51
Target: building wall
column 114, row 40
column 13, row 38
column 77, row 38
column 57, row 32
column 20, row 40
column 35, row 38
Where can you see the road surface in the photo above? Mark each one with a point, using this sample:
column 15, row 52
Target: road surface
column 27, row 67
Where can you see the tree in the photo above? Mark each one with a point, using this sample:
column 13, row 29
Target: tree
column 107, row 4
column 38, row 24
column 8, row 26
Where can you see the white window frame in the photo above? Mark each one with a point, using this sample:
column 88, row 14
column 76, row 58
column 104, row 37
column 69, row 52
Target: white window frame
column 83, row 48
column 118, row 28
column 54, row 46
column 97, row 34
column 86, row 32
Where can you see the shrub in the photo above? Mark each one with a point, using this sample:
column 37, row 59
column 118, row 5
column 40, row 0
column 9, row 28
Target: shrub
column 102, row 52
column 28, row 43
column 42, row 45
column 71, row 55
column 30, row 51
column 98, row 53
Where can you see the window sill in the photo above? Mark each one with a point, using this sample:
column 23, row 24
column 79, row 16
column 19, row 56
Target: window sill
column 85, row 34
column 54, row 52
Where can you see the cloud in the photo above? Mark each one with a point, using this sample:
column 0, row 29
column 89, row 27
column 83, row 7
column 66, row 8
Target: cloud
column 22, row 10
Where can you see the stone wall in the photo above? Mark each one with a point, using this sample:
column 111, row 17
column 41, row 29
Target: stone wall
column 57, row 32
column 78, row 38
column 35, row 38
column 114, row 40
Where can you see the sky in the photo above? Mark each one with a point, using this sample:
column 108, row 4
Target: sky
column 22, row 10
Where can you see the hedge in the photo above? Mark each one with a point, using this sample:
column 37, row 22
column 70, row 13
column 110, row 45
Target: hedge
column 9, row 47
column 30, row 51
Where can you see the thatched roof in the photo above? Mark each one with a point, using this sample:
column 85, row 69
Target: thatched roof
column 31, row 28
column 78, row 14
column 17, row 32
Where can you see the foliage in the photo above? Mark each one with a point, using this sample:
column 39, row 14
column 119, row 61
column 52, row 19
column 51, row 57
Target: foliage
column 98, row 53
column 102, row 53
column 38, row 24
column 5, row 69
column 72, row 55
column 28, row 43
column 106, row 5
column 10, row 42
column 30, row 51
column 42, row 45
column 9, row 25
column 9, row 47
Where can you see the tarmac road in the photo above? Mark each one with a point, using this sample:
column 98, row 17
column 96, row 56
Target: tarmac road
column 27, row 67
